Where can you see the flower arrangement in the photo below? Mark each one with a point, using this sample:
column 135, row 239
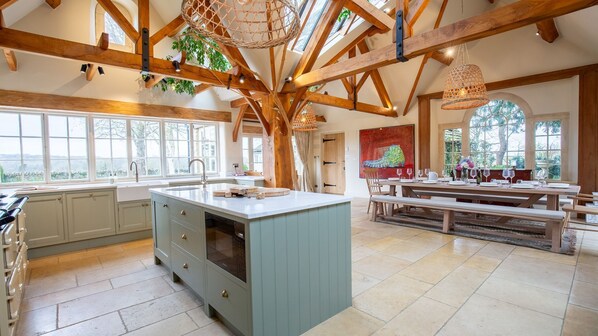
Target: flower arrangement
column 465, row 163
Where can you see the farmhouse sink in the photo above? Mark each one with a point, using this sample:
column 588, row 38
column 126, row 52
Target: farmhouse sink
column 133, row 191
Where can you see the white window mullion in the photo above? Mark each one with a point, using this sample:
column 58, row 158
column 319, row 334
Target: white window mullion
column 129, row 147
column 46, row 145
column 91, row 162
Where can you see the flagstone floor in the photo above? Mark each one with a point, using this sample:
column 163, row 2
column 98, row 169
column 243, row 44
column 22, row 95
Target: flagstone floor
column 405, row 282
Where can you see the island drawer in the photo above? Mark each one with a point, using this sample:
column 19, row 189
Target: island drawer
column 189, row 269
column 186, row 213
column 228, row 298
column 190, row 240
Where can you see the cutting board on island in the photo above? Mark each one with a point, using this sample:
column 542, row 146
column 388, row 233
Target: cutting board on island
column 252, row 191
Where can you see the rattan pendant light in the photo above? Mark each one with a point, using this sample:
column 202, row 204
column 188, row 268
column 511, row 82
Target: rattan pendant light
column 243, row 23
column 305, row 121
column 464, row 87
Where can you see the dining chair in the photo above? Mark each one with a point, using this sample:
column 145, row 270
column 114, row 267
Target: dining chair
column 576, row 208
column 372, row 179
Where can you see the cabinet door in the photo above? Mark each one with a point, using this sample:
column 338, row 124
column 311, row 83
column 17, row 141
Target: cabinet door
column 161, row 229
column 133, row 216
column 45, row 220
column 91, row 215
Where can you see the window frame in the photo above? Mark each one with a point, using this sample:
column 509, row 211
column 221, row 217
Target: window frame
column 20, row 137
column 251, row 154
column 47, row 151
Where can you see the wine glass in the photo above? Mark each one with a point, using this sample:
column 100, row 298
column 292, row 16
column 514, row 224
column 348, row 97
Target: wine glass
column 400, row 172
column 541, row 176
column 505, row 173
column 426, row 172
column 486, row 173
column 473, row 173
column 409, row 172
column 419, row 174
column 511, row 175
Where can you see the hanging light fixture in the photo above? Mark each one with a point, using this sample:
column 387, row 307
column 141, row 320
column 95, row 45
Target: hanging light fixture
column 254, row 24
column 464, row 87
column 305, row 121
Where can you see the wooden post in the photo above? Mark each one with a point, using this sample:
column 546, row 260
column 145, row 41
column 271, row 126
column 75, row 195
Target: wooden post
column 276, row 149
column 587, row 174
column 423, row 127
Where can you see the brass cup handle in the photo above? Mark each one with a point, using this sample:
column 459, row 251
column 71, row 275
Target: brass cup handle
column 184, row 236
column 183, row 213
column 165, row 205
column 185, row 266
column 224, row 293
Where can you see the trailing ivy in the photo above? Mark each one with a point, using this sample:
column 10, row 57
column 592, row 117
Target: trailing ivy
column 200, row 51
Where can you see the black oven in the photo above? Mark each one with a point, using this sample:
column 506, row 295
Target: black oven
column 225, row 244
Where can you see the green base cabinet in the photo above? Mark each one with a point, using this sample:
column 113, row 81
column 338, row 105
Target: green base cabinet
column 297, row 265
column 46, row 223
column 91, row 214
column 134, row 216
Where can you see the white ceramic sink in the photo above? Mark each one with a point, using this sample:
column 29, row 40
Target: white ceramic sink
column 133, row 191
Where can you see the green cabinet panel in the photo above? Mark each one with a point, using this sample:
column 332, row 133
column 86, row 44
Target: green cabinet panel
column 134, row 216
column 46, row 223
column 91, row 214
column 190, row 269
column 161, row 228
column 229, row 297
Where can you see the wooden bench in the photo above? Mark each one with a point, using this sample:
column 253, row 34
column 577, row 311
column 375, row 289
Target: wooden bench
column 553, row 219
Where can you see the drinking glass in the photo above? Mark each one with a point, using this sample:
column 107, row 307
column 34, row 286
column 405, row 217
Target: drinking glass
column 409, row 172
column 486, row 173
column 541, row 176
column 419, row 174
column 473, row 173
column 426, row 172
column 400, row 172
column 511, row 175
column 505, row 173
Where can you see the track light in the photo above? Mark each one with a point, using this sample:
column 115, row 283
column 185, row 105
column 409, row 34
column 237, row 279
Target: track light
column 386, row 10
column 177, row 66
column 164, row 81
column 101, row 71
column 83, row 68
column 242, row 79
column 147, row 78
column 288, row 79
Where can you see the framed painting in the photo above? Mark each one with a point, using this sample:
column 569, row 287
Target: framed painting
column 387, row 149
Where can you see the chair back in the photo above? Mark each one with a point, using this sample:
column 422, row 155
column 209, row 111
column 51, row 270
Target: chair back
column 373, row 180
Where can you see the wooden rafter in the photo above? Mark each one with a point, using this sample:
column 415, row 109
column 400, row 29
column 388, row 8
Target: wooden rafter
column 201, row 88
column 323, row 99
column 5, row 3
column 152, row 81
column 120, row 19
column 90, row 72
column 170, row 30
column 371, row 14
column 11, row 59
column 416, row 8
column 376, row 78
column 238, row 122
column 362, row 80
column 104, row 41
column 547, row 30
column 424, row 60
column 442, row 57
column 496, row 21
column 257, row 110
column 50, row 46
column 53, row 3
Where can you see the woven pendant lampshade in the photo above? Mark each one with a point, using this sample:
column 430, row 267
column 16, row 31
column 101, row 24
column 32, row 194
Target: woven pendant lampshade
column 305, row 121
column 252, row 24
column 464, row 87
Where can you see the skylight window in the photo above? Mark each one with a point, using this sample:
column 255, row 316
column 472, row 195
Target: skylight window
column 312, row 22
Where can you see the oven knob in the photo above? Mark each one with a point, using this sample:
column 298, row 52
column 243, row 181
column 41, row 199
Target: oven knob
column 224, row 293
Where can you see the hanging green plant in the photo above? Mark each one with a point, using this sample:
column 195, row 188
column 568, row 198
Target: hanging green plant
column 200, row 51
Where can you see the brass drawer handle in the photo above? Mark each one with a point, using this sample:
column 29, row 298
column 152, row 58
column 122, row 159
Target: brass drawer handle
column 184, row 236
column 224, row 293
column 185, row 266
column 183, row 213
column 165, row 205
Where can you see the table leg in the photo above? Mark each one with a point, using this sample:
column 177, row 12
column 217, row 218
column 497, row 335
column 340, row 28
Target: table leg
column 552, row 202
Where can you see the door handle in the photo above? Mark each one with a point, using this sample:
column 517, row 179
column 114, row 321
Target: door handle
column 329, row 185
column 328, row 162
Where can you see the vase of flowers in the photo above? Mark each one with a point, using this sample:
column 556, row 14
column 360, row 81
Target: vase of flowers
column 463, row 167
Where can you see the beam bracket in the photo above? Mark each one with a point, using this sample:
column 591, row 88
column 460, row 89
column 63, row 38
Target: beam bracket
column 400, row 34
column 230, row 79
column 145, row 51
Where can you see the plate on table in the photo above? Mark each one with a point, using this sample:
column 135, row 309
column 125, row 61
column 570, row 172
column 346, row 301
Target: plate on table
column 522, row 186
column 430, row 181
column 407, row 180
column 394, row 179
column 530, row 182
column 445, row 179
column 457, row 183
column 558, row 185
column 488, row 184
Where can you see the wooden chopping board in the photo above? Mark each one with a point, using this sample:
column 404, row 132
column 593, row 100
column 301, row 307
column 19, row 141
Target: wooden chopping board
column 253, row 191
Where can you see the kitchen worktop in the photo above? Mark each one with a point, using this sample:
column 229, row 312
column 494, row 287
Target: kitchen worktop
column 250, row 208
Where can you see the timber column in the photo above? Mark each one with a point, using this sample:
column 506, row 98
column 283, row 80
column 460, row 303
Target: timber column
column 279, row 164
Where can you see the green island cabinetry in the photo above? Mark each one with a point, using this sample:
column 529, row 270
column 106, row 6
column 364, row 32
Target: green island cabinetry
column 278, row 266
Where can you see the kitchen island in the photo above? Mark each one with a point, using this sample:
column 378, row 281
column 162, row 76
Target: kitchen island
column 275, row 266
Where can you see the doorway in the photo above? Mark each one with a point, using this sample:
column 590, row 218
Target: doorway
column 333, row 163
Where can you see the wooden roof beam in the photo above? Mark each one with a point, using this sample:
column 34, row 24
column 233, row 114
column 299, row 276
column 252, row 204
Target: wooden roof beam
column 415, row 10
column 496, row 21
column 170, row 30
column 143, row 21
column 362, row 80
column 153, row 80
column 11, row 59
column 120, row 19
column 238, row 122
column 442, row 57
column 201, row 88
column 257, row 109
column 322, row 99
column 104, row 41
column 53, row 3
column 371, row 14
column 50, row 46
column 376, row 78
column 547, row 30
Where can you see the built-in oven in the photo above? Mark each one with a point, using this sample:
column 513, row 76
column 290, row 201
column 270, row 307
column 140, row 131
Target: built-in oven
column 225, row 244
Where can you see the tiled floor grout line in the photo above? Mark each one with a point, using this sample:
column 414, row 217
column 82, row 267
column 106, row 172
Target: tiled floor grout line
column 573, row 281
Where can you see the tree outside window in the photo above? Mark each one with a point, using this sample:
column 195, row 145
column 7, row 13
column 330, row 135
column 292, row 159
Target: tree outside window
column 548, row 147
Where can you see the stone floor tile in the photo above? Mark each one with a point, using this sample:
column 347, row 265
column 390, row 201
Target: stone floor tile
column 545, row 255
column 382, row 243
column 65, row 295
column 362, row 282
column 584, row 294
column 43, row 262
column 526, row 296
column 150, row 312
column 200, row 318
column 536, row 272
column 349, row 322
column 176, row 286
column 458, row 286
column 127, row 256
column 109, row 272
column 424, row 317
column 496, row 250
column 408, row 250
column 91, row 306
column 106, row 325
column 580, row 321
column 463, row 247
column 380, row 266
column 433, row 267
column 145, row 274
column 587, row 273
column 37, row 322
column 175, row 326
column 360, row 252
column 483, row 263
column 481, row 315
column 213, row 329
column 589, row 257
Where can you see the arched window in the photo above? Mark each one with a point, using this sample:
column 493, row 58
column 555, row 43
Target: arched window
column 497, row 135
column 104, row 23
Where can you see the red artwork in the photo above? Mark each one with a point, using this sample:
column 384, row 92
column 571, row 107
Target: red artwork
column 387, row 149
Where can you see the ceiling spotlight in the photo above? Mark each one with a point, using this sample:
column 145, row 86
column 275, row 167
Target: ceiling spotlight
column 147, row 78
column 83, row 68
column 177, row 66
column 537, row 33
column 101, row 71
column 386, row 10
column 394, row 108
column 288, row 79
column 450, row 52
column 242, row 79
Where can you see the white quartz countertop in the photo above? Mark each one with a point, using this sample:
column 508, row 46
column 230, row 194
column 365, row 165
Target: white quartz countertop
column 44, row 189
column 251, row 208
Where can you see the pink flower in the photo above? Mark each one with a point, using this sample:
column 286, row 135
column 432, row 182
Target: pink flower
column 458, row 168
column 470, row 163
